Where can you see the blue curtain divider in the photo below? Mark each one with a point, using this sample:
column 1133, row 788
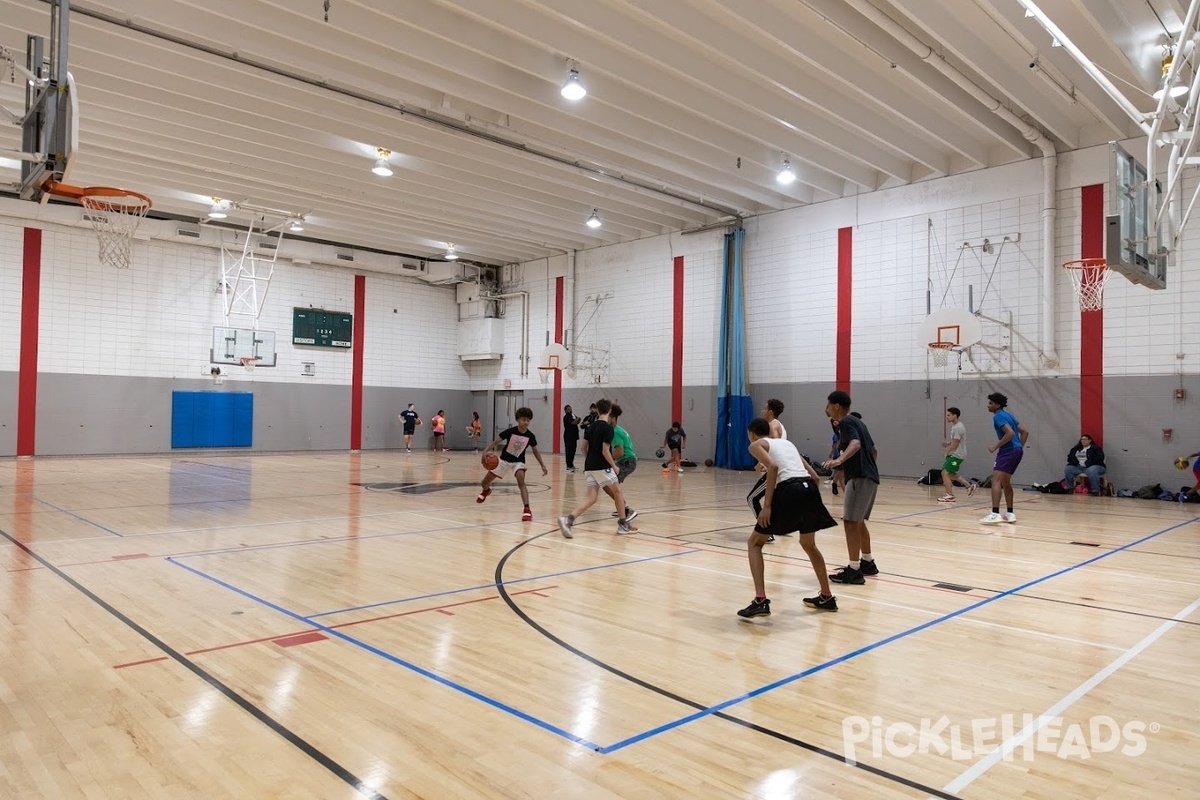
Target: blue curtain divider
column 735, row 408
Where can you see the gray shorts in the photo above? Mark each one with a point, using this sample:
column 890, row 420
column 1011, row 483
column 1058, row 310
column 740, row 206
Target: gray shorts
column 860, row 499
column 627, row 466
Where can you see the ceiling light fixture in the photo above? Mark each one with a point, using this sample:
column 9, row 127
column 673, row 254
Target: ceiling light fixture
column 594, row 220
column 451, row 253
column 297, row 225
column 381, row 168
column 1179, row 89
column 573, row 88
column 786, row 175
column 218, row 209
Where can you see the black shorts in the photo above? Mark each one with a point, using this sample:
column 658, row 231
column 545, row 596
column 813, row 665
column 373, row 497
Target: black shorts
column 796, row 507
column 409, row 431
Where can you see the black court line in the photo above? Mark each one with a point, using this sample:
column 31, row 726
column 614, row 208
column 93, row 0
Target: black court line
column 783, row 737
column 286, row 733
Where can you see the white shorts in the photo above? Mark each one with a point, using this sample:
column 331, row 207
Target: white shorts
column 507, row 468
column 601, row 477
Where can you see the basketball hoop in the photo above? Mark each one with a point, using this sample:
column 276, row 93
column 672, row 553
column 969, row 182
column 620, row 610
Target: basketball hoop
column 114, row 213
column 1088, row 276
column 248, row 362
column 544, row 374
column 941, row 353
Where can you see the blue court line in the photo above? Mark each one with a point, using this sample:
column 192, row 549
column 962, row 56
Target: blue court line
column 81, row 519
column 493, row 584
column 876, row 645
column 396, row 660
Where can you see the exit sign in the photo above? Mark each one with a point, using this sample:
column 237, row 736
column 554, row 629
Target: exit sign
column 316, row 327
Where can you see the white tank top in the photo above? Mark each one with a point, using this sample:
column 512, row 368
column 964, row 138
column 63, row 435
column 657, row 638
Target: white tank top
column 787, row 458
column 782, row 430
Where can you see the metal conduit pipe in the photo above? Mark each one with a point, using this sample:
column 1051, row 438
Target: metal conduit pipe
column 569, row 307
column 1049, row 160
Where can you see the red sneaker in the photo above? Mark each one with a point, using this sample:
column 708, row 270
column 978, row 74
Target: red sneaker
column 527, row 515
column 483, row 495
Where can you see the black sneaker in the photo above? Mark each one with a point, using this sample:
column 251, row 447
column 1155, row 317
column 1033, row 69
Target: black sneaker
column 630, row 513
column 821, row 603
column 770, row 538
column 757, row 608
column 835, row 489
column 868, row 567
column 848, row 574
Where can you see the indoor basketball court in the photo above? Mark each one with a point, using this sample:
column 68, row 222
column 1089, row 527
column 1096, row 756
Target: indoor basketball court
column 358, row 624
column 237, row 239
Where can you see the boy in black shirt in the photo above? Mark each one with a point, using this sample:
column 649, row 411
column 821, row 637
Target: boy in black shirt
column 857, row 460
column 601, row 471
column 512, row 444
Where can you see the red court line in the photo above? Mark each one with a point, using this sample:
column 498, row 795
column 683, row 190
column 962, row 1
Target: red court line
column 300, row 638
column 277, row 637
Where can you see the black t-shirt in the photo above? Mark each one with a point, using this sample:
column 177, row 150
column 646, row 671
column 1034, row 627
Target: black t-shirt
column 675, row 438
column 516, row 443
column 410, row 418
column 570, row 426
column 861, row 464
column 596, row 435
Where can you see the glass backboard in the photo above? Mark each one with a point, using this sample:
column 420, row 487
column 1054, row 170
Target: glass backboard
column 1133, row 245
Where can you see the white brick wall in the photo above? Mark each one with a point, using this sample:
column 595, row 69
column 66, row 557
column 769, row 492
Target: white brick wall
column 156, row 318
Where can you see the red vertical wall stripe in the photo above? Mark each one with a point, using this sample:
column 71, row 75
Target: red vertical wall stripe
column 356, row 378
column 31, row 288
column 677, row 345
column 1091, row 323
column 560, row 285
column 845, row 293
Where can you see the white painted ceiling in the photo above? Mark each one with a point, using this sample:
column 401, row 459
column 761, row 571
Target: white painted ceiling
column 691, row 106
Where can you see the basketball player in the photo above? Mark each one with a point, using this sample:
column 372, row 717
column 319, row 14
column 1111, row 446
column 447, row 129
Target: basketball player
column 601, row 471
column 791, row 502
column 623, row 455
column 770, row 413
column 675, row 440
column 439, row 431
column 1012, row 436
column 512, row 443
column 956, row 453
column 857, row 460
column 474, row 431
column 410, row 419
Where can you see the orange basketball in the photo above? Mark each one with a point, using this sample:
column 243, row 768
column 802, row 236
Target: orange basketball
column 490, row 460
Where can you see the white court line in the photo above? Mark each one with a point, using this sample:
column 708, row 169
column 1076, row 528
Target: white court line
column 982, row 765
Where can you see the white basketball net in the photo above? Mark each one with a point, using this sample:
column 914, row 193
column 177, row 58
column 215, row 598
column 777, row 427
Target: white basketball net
column 249, row 362
column 941, row 355
column 544, row 374
column 115, row 219
column 1089, row 284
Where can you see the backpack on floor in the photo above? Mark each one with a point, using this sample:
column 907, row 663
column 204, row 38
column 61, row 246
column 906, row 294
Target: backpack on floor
column 1150, row 491
column 931, row 478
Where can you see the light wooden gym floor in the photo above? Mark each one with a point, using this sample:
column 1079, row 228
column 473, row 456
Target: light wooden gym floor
column 337, row 626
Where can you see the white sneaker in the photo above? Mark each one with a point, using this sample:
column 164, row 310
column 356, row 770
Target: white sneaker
column 946, row 498
column 992, row 519
column 971, row 489
column 681, row 469
column 564, row 527
column 1008, row 516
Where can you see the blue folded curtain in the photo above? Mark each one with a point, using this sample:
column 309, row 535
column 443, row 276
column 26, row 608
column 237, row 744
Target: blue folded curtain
column 735, row 409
